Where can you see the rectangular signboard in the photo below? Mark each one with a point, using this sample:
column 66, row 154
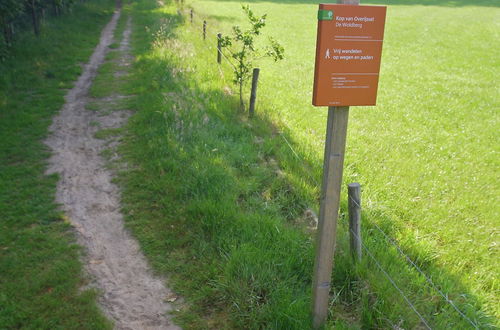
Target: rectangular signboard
column 348, row 53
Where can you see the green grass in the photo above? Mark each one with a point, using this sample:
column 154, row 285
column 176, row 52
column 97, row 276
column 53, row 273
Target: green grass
column 427, row 154
column 108, row 90
column 192, row 197
column 106, row 84
column 107, row 133
column 217, row 200
column 41, row 276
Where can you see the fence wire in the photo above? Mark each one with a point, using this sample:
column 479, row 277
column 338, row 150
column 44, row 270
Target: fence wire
column 393, row 282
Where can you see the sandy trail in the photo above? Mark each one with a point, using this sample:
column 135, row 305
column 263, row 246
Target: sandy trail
column 131, row 296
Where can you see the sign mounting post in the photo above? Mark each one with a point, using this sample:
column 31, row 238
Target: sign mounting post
column 348, row 53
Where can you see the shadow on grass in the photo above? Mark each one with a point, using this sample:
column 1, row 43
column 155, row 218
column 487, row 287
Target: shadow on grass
column 444, row 3
column 214, row 199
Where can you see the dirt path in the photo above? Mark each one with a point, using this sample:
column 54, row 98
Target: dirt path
column 131, row 296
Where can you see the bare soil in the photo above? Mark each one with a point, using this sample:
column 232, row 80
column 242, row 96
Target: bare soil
column 131, row 295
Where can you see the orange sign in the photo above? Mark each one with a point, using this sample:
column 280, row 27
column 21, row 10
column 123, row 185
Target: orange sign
column 348, row 53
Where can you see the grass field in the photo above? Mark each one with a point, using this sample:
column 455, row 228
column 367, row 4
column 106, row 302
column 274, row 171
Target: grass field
column 427, row 156
column 226, row 196
column 40, row 272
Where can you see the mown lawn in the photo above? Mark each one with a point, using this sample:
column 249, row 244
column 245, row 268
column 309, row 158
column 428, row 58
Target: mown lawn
column 40, row 272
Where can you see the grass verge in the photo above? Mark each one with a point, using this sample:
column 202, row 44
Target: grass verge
column 39, row 261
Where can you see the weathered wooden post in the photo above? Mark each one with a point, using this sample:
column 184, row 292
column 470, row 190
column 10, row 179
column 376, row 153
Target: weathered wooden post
column 336, row 132
column 354, row 203
column 191, row 15
column 253, row 94
column 204, row 30
column 348, row 54
column 219, row 50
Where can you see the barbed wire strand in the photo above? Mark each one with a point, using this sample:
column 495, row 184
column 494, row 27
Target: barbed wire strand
column 393, row 283
column 427, row 278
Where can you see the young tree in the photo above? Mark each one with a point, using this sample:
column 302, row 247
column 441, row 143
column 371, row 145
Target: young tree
column 241, row 48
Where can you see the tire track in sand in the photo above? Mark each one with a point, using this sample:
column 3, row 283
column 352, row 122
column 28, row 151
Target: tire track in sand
column 130, row 295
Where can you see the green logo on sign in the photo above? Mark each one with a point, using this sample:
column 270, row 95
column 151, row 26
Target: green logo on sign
column 325, row 15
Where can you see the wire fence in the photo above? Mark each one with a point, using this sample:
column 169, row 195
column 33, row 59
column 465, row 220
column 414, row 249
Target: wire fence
column 306, row 170
column 426, row 277
column 391, row 280
column 416, row 267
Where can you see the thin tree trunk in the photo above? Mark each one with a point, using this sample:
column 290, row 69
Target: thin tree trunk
column 34, row 18
column 10, row 32
column 242, row 106
column 6, row 33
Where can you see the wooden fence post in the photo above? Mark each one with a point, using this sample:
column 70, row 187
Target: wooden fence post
column 354, row 196
column 204, row 30
column 253, row 94
column 219, row 50
column 191, row 15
